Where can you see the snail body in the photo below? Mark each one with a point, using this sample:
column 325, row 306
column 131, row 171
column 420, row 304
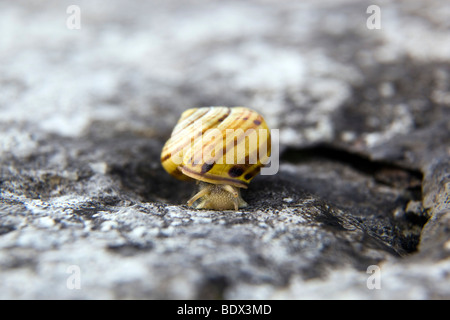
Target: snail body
column 222, row 148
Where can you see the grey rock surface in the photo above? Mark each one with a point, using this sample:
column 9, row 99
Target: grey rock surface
column 362, row 195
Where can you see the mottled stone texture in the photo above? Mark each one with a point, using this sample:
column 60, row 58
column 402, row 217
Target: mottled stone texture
column 364, row 120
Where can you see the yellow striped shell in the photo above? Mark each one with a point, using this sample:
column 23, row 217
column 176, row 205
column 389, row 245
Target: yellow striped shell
column 218, row 146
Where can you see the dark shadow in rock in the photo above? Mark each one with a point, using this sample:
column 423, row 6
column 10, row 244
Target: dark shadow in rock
column 376, row 193
column 287, row 190
column 213, row 287
column 141, row 174
column 133, row 160
column 152, row 184
column 130, row 249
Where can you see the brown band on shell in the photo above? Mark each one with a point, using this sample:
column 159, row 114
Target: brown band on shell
column 249, row 175
column 214, row 179
column 206, row 167
column 235, row 171
column 179, row 148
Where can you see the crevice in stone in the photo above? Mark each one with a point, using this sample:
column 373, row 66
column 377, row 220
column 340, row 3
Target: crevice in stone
column 369, row 202
column 378, row 169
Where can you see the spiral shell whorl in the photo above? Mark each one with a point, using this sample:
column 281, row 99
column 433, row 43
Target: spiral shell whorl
column 218, row 145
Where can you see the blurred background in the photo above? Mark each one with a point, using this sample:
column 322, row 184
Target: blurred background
column 320, row 71
column 90, row 91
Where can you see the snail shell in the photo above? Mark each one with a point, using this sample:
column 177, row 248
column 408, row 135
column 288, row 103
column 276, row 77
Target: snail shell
column 222, row 148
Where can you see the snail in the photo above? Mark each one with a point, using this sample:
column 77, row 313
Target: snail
column 222, row 148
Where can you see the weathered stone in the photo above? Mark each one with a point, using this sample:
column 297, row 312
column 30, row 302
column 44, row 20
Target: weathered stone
column 86, row 210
